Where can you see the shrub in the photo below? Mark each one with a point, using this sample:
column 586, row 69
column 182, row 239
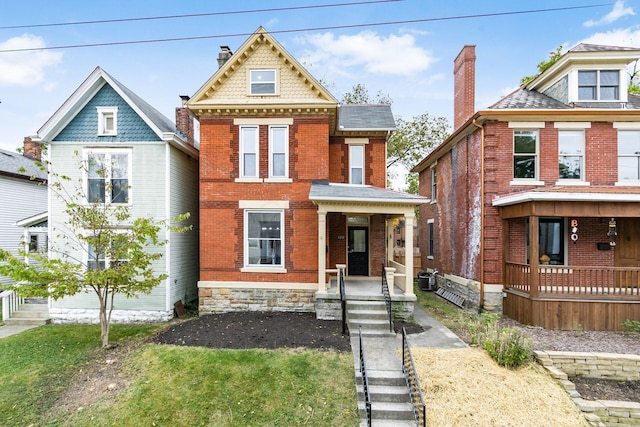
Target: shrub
column 631, row 326
column 509, row 347
column 479, row 325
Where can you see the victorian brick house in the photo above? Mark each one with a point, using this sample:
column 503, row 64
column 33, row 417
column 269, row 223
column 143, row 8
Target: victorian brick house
column 535, row 201
column 292, row 185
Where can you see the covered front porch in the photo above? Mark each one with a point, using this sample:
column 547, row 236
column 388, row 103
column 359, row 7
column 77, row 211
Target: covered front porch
column 355, row 237
column 572, row 263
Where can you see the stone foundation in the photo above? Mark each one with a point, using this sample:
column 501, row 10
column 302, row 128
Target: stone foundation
column 470, row 291
column 92, row 316
column 224, row 300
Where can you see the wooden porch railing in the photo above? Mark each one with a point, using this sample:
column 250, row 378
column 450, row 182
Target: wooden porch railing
column 560, row 280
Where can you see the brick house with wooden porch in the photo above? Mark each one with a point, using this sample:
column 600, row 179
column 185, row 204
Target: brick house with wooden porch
column 535, row 207
column 292, row 187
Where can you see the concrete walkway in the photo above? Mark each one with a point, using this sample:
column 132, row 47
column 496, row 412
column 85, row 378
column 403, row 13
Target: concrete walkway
column 7, row 331
column 386, row 353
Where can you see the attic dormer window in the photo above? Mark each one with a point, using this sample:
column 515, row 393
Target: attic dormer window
column 262, row 82
column 599, row 85
column 107, row 121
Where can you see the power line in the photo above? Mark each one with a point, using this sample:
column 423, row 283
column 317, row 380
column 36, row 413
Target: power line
column 333, row 27
column 196, row 15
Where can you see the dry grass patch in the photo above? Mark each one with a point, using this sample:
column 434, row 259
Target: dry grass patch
column 464, row 387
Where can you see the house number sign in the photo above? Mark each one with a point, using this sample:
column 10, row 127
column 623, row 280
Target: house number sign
column 574, row 230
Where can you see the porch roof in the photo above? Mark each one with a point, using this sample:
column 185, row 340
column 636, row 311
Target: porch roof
column 333, row 192
column 565, row 196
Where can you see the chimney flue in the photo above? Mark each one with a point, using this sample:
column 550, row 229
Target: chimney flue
column 224, row 55
column 32, row 149
column 464, row 85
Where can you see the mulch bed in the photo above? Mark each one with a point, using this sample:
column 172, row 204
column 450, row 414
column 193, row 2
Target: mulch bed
column 601, row 389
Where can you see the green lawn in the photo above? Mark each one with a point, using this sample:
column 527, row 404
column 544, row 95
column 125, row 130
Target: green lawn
column 173, row 386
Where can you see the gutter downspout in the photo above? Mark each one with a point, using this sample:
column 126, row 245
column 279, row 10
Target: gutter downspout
column 481, row 302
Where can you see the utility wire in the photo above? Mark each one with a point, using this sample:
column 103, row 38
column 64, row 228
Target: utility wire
column 334, row 27
column 195, row 15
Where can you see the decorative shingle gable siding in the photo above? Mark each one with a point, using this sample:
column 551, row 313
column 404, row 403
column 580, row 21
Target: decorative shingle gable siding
column 84, row 127
column 559, row 90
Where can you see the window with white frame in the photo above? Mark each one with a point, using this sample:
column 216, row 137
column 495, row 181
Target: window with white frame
column 431, row 237
column 594, row 85
column 356, row 164
column 264, row 238
column 262, row 82
column 278, row 151
column 107, row 121
column 102, row 257
column 525, row 154
column 628, row 155
column 249, row 149
column 108, row 176
column 434, row 184
column 571, row 154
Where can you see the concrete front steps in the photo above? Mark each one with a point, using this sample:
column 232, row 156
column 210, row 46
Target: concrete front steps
column 29, row 315
column 390, row 402
column 371, row 315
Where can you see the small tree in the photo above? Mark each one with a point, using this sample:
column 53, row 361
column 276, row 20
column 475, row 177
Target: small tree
column 543, row 65
column 120, row 251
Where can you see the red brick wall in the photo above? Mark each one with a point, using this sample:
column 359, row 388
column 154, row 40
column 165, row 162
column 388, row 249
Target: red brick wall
column 601, row 143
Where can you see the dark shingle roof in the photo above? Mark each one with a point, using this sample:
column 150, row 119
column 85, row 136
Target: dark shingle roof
column 16, row 164
column 365, row 117
column 585, row 47
column 529, row 99
column 324, row 191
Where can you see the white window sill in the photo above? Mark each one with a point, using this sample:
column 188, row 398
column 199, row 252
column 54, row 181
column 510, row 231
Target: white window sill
column 573, row 183
column 629, row 183
column 279, row 180
column 263, row 270
column 526, row 182
column 429, row 256
column 251, row 180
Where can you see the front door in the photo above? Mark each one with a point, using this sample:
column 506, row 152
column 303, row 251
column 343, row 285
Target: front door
column 627, row 249
column 358, row 261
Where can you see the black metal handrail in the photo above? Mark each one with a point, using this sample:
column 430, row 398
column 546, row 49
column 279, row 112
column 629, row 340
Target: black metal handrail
column 413, row 382
column 365, row 382
column 387, row 297
column 343, row 303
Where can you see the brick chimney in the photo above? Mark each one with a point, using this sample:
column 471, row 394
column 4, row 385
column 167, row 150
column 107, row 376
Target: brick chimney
column 184, row 120
column 32, row 149
column 464, row 85
column 224, row 55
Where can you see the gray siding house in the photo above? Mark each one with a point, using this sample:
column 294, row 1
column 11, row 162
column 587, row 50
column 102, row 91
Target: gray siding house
column 154, row 165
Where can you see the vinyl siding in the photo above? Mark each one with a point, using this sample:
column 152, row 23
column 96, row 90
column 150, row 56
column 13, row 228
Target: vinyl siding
column 19, row 199
column 183, row 247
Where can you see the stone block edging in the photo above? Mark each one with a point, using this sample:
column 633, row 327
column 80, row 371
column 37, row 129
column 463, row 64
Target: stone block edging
column 620, row 367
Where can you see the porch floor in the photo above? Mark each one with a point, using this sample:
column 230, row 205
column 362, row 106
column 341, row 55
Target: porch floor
column 361, row 287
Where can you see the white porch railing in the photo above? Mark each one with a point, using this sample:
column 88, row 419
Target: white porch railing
column 11, row 301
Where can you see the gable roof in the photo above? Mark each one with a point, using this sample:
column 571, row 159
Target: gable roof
column 205, row 97
column 159, row 124
column 18, row 166
column 356, row 117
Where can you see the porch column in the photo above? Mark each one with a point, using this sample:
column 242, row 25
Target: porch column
column 408, row 253
column 534, row 253
column 322, row 251
column 390, row 241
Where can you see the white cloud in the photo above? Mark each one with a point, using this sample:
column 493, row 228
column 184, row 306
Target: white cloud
column 367, row 52
column 625, row 37
column 25, row 68
column 618, row 12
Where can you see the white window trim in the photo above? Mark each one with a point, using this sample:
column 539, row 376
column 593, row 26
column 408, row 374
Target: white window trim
column 364, row 180
column 625, row 126
column 527, row 181
column 85, row 250
column 430, row 221
column 572, row 181
column 573, row 95
column 285, row 177
column 102, row 113
column 262, row 268
column 108, row 151
column 434, row 174
column 276, row 85
column 242, row 177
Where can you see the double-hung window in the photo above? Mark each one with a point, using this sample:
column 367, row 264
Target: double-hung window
column 108, row 175
column 431, row 237
column 107, row 121
column 108, row 256
column 278, row 151
column 571, row 154
column 356, row 164
column 525, row 154
column 262, row 82
column 249, row 151
column 628, row 155
column 434, row 184
column 603, row 85
column 264, row 238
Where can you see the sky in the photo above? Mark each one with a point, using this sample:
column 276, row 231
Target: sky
column 403, row 49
